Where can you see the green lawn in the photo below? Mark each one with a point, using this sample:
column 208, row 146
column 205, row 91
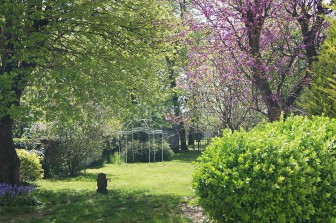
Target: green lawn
column 137, row 193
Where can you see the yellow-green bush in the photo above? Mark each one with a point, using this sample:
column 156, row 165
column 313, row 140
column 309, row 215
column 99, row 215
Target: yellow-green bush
column 30, row 166
column 278, row 172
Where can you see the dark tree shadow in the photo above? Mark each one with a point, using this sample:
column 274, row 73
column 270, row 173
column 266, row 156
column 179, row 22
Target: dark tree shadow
column 116, row 206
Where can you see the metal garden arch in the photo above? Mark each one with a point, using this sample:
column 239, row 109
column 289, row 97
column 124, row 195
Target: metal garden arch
column 142, row 125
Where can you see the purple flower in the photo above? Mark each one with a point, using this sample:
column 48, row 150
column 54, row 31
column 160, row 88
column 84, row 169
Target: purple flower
column 14, row 190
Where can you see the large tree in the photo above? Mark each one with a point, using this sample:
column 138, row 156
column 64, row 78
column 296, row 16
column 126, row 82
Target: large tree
column 269, row 46
column 70, row 56
column 174, row 65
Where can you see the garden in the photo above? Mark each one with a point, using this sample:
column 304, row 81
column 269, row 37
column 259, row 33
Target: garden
column 168, row 111
column 282, row 171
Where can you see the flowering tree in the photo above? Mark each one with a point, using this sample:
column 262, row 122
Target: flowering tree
column 268, row 46
column 221, row 101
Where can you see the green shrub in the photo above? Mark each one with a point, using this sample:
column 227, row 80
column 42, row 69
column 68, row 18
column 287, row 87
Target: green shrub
column 278, row 172
column 30, row 167
column 115, row 158
column 69, row 149
column 138, row 151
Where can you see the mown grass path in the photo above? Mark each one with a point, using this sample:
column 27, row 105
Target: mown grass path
column 137, row 193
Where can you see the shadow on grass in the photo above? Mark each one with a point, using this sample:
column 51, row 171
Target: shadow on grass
column 83, row 177
column 187, row 156
column 116, row 206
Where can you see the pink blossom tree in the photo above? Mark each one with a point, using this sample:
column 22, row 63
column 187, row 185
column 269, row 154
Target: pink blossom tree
column 220, row 100
column 266, row 47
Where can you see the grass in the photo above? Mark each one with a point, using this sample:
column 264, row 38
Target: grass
column 137, row 193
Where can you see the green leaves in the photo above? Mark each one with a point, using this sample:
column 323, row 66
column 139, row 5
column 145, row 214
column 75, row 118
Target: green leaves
column 30, row 166
column 320, row 100
column 282, row 172
column 67, row 57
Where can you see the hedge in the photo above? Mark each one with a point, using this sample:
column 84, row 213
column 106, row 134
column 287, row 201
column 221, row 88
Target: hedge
column 278, row 172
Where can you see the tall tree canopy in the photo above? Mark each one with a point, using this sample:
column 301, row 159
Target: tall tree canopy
column 71, row 56
column 267, row 47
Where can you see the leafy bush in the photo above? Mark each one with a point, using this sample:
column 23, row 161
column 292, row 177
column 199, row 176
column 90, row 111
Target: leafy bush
column 69, row 149
column 23, row 143
column 30, row 167
column 138, row 151
column 278, row 172
column 115, row 158
column 14, row 195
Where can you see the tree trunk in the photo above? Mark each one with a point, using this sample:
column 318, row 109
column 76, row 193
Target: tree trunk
column 183, row 138
column 176, row 105
column 9, row 161
column 191, row 139
column 260, row 78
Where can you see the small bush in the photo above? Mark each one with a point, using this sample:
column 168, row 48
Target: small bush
column 30, row 167
column 69, row 149
column 278, row 172
column 139, row 152
column 115, row 158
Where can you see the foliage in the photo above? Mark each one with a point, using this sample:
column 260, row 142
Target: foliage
column 332, row 91
column 320, row 98
column 55, row 54
column 76, row 60
column 69, row 148
column 115, row 158
column 14, row 195
column 149, row 151
column 21, row 136
column 279, row 172
column 30, row 165
column 257, row 55
column 25, row 143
